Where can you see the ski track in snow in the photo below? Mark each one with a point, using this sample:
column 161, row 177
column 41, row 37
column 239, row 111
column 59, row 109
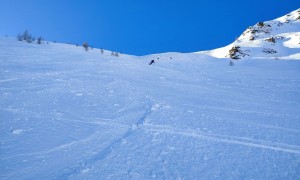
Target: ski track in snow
column 86, row 164
column 225, row 139
column 70, row 114
column 140, row 125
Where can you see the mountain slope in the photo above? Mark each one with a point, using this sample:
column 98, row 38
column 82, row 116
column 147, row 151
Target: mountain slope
column 276, row 39
column 67, row 113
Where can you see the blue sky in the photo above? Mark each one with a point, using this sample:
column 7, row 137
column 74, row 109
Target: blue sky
column 139, row 27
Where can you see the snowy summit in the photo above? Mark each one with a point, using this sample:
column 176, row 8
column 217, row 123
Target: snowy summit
column 276, row 39
column 68, row 112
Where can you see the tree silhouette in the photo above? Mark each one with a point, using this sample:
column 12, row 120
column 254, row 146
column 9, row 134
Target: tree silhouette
column 86, row 46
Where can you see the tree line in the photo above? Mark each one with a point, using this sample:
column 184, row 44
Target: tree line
column 27, row 37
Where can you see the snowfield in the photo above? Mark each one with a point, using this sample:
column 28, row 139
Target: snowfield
column 70, row 114
column 275, row 39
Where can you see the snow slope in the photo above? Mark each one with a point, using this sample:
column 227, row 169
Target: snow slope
column 254, row 42
column 70, row 114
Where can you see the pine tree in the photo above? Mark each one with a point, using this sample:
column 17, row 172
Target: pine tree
column 86, row 46
column 25, row 35
column 30, row 39
column 20, row 37
column 39, row 40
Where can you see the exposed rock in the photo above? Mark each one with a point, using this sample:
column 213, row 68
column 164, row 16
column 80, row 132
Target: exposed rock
column 253, row 31
column 236, row 53
column 260, row 24
column 269, row 51
column 271, row 39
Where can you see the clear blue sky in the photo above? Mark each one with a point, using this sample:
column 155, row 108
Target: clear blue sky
column 140, row 26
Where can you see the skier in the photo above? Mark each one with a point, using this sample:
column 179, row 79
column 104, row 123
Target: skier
column 151, row 62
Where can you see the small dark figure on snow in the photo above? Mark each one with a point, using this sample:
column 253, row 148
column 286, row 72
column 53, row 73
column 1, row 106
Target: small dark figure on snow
column 151, row 62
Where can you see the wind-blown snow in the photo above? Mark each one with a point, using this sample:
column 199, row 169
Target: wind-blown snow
column 67, row 113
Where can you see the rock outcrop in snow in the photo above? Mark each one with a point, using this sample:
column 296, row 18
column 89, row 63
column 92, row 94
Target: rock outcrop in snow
column 275, row 39
column 68, row 113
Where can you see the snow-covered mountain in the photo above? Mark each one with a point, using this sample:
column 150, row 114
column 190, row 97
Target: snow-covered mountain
column 276, row 39
column 67, row 113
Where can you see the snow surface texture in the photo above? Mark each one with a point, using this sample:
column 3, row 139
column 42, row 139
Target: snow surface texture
column 255, row 41
column 70, row 114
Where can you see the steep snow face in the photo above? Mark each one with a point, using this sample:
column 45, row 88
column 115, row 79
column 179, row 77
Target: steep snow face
column 276, row 39
column 70, row 114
